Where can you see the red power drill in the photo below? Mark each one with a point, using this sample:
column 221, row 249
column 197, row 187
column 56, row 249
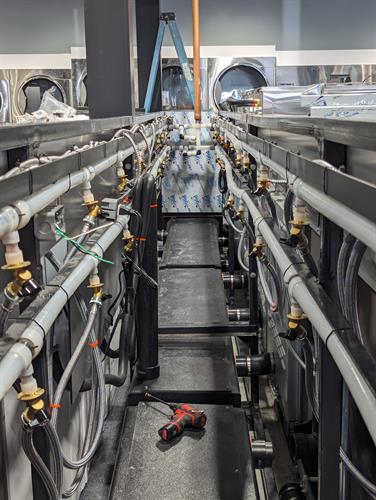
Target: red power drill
column 183, row 416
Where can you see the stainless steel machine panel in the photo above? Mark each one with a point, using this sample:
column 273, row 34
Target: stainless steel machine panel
column 28, row 86
column 5, row 115
column 228, row 75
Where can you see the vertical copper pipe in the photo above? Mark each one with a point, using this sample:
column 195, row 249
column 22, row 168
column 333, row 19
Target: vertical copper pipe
column 196, row 58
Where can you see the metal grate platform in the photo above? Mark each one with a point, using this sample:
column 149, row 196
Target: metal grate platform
column 191, row 243
column 211, row 464
column 194, row 370
column 192, row 301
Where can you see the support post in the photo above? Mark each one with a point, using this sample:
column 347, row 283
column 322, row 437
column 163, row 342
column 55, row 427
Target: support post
column 109, row 53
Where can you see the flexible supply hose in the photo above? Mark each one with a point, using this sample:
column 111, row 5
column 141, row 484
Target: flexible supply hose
column 56, row 455
column 231, row 223
column 309, row 378
column 351, row 287
column 273, row 304
column 72, row 363
column 342, row 265
column 355, row 472
column 88, row 333
column 38, row 464
column 4, row 316
column 287, row 209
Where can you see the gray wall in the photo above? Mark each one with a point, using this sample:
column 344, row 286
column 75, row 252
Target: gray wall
column 52, row 26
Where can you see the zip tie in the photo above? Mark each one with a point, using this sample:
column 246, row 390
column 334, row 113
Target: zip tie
column 93, row 345
column 140, row 238
column 55, row 406
column 154, row 205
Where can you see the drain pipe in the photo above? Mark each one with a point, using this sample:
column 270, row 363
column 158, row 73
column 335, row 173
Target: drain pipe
column 196, row 68
column 354, row 223
column 31, row 340
column 19, row 214
column 359, row 388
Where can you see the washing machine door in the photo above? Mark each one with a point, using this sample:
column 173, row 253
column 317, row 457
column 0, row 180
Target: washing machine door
column 175, row 93
column 235, row 84
column 32, row 90
column 5, row 116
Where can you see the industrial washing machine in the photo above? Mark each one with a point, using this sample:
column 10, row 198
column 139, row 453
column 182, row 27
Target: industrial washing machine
column 27, row 87
column 79, row 84
column 231, row 79
column 5, row 115
column 175, row 93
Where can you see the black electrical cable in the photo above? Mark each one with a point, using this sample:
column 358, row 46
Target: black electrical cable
column 222, row 182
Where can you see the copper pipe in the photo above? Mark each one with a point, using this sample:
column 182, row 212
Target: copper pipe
column 196, row 58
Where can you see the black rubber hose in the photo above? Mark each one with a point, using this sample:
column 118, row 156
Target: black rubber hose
column 287, row 209
column 309, row 261
column 222, row 182
column 142, row 203
column 271, row 204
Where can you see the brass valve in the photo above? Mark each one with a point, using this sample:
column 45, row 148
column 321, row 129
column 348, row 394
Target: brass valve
column 297, row 236
column 129, row 239
column 97, row 290
column 34, row 402
column 123, row 183
column 246, row 163
column 239, row 160
column 230, row 202
column 240, row 213
column 295, row 328
column 257, row 250
column 94, row 210
column 23, row 283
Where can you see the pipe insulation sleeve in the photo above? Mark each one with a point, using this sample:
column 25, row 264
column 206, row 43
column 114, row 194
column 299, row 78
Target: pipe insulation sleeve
column 19, row 356
column 361, row 391
column 354, row 223
column 19, row 214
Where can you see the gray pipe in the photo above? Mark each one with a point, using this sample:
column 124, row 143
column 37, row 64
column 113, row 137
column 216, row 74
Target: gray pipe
column 354, row 223
column 19, row 356
column 20, row 212
column 361, row 391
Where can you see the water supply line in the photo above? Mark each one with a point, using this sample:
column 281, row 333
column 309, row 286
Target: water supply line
column 342, row 215
column 361, row 391
column 31, row 340
column 19, row 214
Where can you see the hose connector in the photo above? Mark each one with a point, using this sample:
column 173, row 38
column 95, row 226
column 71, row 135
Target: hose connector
column 122, row 176
column 258, row 248
column 230, row 202
column 97, row 286
column 34, row 402
column 128, row 237
column 295, row 327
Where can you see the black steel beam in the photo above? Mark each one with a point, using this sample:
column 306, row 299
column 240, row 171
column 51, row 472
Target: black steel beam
column 147, row 22
column 109, row 53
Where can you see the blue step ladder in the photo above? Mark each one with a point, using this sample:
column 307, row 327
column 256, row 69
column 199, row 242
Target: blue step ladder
column 168, row 19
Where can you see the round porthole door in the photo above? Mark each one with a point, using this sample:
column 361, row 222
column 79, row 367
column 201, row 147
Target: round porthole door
column 234, row 85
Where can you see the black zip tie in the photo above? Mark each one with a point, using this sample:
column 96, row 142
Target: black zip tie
column 61, row 288
column 41, row 327
column 328, row 337
column 291, row 265
column 70, row 183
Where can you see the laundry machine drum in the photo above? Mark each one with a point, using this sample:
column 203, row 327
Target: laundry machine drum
column 234, row 82
column 31, row 93
column 175, row 93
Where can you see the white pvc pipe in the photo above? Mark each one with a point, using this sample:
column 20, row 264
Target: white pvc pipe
column 19, row 214
column 362, row 393
column 19, row 357
column 354, row 223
